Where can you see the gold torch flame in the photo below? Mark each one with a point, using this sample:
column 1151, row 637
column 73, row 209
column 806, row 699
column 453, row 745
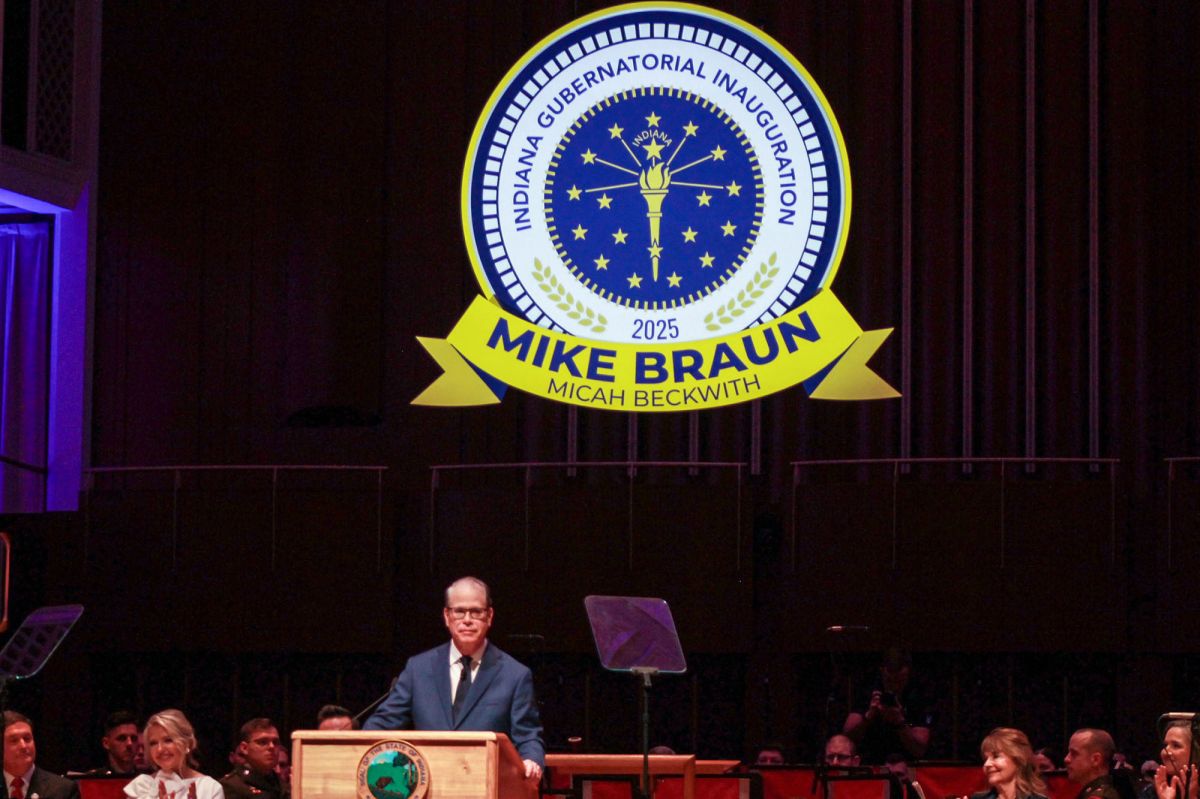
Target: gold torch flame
column 654, row 182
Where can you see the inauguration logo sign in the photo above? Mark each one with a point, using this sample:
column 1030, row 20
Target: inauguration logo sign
column 655, row 202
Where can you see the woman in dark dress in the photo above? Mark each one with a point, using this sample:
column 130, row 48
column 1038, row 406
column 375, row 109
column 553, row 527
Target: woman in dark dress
column 1009, row 768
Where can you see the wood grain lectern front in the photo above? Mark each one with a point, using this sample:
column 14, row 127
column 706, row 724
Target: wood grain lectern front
column 466, row 765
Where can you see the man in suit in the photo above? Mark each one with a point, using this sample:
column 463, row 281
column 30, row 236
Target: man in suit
column 22, row 778
column 467, row 683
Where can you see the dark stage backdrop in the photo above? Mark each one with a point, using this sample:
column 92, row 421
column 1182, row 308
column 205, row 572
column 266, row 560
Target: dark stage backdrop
column 279, row 218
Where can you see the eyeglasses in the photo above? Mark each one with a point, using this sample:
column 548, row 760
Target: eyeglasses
column 478, row 614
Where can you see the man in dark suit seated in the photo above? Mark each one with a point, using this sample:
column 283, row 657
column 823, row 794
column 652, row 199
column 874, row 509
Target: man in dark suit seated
column 22, row 778
column 467, row 683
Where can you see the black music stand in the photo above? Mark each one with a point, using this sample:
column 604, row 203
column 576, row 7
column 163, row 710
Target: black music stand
column 33, row 643
column 636, row 635
column 824, row 775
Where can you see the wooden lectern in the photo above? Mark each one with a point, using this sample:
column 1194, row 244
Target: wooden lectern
column 470, row 765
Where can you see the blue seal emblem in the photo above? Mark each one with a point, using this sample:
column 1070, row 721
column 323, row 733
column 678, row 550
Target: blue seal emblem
column 654, row 198
column 656, row 172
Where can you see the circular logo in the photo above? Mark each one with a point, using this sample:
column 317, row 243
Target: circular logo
column 392, row 770
column 656, row 171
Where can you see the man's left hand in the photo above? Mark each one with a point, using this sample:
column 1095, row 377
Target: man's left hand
column 533, row 772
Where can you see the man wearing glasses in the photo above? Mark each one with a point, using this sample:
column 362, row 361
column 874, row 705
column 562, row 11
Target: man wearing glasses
column 467, row 683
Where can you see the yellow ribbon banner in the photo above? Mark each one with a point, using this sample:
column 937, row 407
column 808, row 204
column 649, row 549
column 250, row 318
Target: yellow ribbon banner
column 818, row 344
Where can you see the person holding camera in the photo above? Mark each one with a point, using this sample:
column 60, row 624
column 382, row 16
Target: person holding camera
column 895, row 720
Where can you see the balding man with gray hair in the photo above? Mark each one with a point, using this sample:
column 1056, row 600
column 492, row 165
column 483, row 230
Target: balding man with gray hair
column 467, row 683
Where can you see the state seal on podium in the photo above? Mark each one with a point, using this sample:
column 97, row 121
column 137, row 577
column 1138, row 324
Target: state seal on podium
column 392, row 770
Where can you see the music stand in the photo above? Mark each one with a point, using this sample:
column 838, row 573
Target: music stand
column 823, row 775
column 636, row 635
column 33, row 643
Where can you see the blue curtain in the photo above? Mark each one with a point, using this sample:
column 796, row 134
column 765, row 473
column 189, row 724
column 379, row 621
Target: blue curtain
column 24, row 364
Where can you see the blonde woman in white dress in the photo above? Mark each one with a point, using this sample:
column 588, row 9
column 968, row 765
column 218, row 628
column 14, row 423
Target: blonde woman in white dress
column 170, row 742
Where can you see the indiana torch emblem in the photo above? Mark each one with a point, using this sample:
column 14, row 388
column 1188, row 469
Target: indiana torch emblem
column 655, row 202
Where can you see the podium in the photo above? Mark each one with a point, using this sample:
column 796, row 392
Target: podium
column 470, row 765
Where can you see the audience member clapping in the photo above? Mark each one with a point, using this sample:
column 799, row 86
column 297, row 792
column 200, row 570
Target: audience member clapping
column 171, row 746
column 1180, row 757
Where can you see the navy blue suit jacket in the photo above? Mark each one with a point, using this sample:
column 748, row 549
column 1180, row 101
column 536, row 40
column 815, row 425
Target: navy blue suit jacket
column 500, row 700
column 46, row 784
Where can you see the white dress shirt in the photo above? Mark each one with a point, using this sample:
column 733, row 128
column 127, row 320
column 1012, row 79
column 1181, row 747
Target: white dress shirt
column 456, row 666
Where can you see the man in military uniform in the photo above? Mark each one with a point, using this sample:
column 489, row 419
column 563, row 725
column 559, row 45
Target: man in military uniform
column 259, row 747
column 120, row 742
column 1088, row 763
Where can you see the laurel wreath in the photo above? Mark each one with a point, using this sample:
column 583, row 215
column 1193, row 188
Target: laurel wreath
column 558, row 294
column 762, row 279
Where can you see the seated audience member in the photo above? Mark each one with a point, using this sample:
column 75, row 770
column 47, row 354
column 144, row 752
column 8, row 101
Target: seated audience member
column 259, row 746
column 1044, row 759
column 120, row 744
column 283, row 769
column 896, row 718
column 1008, row 767
column 661, row 750
column 1179, row 750
column 335, row 717
column 1149, row 767
column 1089, row 755
column 22, row 777
column 171, row 746
column 140, row 761
column 904, row 787
column 769, row 755
column 840, row 752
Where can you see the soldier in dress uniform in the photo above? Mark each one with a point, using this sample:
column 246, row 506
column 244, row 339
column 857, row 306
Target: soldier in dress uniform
column 1088, row 763
column 257, row 779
